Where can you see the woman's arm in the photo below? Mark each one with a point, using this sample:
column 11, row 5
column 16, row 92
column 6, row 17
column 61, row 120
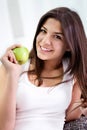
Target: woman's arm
column 74, row 112
column 84, row 111
column 8, row 89
column 9, row 76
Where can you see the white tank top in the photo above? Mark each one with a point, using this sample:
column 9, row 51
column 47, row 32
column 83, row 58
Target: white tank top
column 42, row 108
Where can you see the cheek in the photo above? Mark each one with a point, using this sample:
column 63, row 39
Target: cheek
column 39, row 37
column 37, row 44
column 60, row 49
column 37, row 41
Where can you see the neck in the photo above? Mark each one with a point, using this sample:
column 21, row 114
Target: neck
column 51, row 66
column 50, row 72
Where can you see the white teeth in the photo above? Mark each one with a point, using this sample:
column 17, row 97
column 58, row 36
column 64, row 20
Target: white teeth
column 45, row 49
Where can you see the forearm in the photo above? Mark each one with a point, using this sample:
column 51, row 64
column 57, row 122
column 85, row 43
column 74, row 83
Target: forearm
column 8, row 103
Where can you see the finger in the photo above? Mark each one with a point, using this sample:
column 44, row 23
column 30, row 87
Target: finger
column 11, row 57
column 14, row 46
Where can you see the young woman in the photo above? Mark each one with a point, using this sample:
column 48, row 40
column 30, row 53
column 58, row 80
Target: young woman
column 49, row 92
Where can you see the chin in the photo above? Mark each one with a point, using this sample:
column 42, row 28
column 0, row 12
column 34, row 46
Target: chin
column 42, row 57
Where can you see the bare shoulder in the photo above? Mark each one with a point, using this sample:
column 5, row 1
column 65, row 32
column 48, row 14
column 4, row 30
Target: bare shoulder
column 76, row 93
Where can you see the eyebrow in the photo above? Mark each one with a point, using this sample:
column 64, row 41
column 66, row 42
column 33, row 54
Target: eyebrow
column 59, row 33
column 54, row 32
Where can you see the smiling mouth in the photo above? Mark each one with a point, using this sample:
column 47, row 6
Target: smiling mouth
column 45, row 49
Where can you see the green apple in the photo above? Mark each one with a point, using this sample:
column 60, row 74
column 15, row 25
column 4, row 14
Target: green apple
column 21, row 54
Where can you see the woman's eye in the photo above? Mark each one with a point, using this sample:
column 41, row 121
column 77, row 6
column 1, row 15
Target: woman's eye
column 43, row 30
column 58, row 37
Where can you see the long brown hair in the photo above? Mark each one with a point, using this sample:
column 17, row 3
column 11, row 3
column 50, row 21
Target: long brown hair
column 75, row 37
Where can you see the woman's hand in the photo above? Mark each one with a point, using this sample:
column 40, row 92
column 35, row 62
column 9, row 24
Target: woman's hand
column 9, row 61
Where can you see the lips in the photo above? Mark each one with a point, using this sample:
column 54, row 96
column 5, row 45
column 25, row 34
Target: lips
column 45, row 49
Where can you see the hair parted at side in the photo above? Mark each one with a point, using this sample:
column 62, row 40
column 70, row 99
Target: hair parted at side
column 75, row 38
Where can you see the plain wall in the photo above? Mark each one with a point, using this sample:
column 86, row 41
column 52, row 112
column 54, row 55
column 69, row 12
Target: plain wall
column 19, row 18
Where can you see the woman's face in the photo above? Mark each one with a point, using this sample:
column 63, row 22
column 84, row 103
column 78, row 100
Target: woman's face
column 50, row 44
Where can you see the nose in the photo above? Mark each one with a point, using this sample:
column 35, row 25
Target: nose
column 47, row 39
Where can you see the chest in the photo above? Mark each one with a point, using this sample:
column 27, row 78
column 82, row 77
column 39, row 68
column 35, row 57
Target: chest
column 44, row 99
